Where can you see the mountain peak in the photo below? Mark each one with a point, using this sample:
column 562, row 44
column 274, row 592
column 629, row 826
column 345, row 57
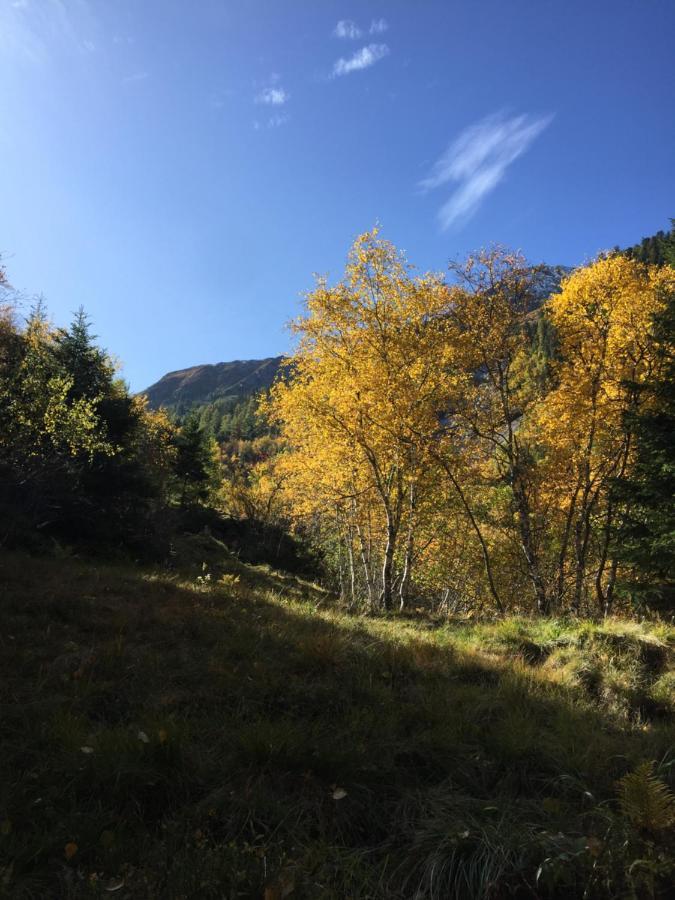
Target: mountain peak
column 238, row 378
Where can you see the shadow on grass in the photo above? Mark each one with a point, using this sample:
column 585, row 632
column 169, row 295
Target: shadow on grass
column 199, row 743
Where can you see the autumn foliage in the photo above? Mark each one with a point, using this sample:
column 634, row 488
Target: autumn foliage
column 436, row 448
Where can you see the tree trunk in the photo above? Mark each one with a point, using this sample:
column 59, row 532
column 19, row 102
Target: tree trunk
column 410, row 542
column 605, row 597
column 340, row 572
column 365, row 559
column 352, row 571
column 386, row 597
column 340, row 556
column 527, row 545
column 479, row 535
column 582, row 529
column 582, row 533
column 609, row 590
column 562, row 557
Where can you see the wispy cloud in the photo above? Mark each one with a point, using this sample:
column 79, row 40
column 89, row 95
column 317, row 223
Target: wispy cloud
column 273, row 96
column 362, row 59
column 347, row 29
column 35, row 30
column 135, row 77
column 275, row 121
column 478, row 159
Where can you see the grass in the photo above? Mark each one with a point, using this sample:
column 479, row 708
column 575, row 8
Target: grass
column 171, row 735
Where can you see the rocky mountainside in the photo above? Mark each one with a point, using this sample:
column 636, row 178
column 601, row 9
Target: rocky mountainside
column 181, row 390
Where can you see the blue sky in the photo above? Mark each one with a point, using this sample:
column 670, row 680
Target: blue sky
column 182, row 168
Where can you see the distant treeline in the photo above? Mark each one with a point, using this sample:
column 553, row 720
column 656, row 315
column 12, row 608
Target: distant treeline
column 656, row 250
column 230, row 418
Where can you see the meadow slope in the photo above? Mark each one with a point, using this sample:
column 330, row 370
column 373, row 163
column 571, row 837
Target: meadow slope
column 215, row 730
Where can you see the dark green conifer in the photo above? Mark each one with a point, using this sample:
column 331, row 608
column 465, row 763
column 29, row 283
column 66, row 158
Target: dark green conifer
column 646, row 540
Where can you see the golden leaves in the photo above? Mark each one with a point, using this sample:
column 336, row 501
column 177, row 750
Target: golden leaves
column 398, row 375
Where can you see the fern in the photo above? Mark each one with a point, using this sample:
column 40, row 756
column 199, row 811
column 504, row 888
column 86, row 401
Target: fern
column 645, row 799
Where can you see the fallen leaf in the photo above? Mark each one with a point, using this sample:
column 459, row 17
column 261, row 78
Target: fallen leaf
column 339, row 793
column 115, row 884
column 87, row 749
column 162, row 735
column 70, row 849
column 142, row 736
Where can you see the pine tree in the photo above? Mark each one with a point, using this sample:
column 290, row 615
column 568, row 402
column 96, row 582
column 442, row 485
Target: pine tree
column 88, row 365
column 646, row 540
column 654, row 250
column 195, row 464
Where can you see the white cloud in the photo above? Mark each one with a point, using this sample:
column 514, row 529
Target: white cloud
column 362, row 59
column 378, row 26
column 347, row 29
column 273, row 96
column 478, row 159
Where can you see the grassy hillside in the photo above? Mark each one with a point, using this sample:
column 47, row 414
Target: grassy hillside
column 221, row 731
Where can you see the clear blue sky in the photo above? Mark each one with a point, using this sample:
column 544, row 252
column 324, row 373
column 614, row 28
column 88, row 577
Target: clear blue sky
column 182, row 168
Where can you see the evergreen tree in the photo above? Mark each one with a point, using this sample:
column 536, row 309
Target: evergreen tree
column 195, row 465
column 80, row 458
column 646, row 540
column 88, row 365
column 655, row 250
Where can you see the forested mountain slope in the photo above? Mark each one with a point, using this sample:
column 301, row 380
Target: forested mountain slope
column 185, row 388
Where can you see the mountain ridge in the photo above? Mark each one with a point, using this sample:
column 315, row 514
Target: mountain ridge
column 181, row 389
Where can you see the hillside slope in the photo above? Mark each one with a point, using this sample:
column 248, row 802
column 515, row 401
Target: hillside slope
column 184, row 388
column 218, row 730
